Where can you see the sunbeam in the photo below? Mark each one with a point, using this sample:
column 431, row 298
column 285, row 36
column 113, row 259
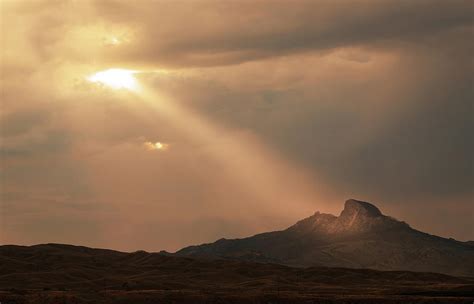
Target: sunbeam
column 273, row 182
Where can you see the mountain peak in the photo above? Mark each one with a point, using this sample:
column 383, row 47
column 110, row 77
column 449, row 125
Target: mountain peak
column 357, row 217
column 354, row 207
column 360, row 237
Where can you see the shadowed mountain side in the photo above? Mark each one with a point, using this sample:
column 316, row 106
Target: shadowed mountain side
column 55, row 273
column 361, row 237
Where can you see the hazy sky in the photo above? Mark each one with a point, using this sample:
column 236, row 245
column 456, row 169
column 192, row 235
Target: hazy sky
column 245, row 117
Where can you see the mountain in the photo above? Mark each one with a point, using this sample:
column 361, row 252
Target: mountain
column 56, row 273
column 360, row 237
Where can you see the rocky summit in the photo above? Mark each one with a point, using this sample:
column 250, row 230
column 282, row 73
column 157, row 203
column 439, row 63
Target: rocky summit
column 360, row 237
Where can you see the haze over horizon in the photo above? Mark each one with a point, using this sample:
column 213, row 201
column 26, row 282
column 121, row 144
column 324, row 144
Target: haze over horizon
column 156, row 124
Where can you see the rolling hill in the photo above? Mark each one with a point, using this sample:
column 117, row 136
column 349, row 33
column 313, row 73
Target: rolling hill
column 55, row 273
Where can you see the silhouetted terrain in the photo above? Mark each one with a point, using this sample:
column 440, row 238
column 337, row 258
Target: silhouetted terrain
column 55, row 273
column 361, row 237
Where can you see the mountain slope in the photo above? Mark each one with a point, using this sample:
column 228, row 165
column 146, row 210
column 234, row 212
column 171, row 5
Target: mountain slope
column 360, row 237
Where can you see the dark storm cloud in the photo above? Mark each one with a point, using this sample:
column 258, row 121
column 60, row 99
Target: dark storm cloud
column 423, row 150
column 426, row 152
column 220, row 33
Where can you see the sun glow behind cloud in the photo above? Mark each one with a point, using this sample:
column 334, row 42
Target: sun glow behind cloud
column 116, row 79
column 156, row 146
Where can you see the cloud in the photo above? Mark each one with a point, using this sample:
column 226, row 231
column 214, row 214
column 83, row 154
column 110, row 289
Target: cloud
column 220, row 33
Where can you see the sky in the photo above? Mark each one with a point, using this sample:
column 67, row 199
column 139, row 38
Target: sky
column 229, row 118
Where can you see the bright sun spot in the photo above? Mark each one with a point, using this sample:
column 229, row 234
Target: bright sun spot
column 156, row 145
column 116, row 79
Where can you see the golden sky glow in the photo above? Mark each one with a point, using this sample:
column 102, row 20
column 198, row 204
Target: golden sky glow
column 120, row 119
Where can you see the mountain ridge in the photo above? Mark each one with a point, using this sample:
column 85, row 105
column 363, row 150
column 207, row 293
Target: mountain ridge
column 360, row 237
